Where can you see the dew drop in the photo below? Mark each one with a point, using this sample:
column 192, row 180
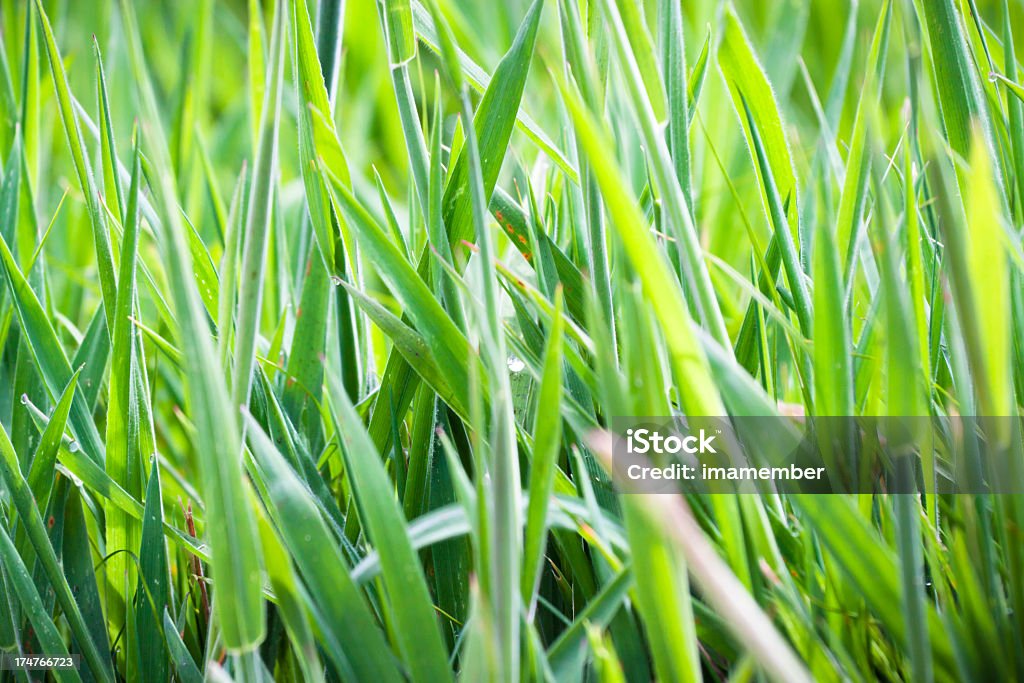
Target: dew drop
column 24, row 399
column 73, row 447
column 515, row 364
column 336, row 281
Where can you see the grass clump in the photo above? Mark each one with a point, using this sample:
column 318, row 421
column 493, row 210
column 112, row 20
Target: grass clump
column 315, row 317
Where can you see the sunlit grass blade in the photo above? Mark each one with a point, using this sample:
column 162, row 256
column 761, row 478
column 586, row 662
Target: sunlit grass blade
column 686, row 358
column 97, row 219
column 958, row 89
column 678, row 212
column 858, row 165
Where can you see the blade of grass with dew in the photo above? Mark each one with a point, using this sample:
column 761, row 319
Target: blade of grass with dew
column 495, row 118
column 41, row 469
column 958, row 89
column 502, row 538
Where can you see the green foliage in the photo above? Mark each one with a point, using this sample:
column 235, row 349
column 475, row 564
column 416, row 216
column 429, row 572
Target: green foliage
column 314, row 318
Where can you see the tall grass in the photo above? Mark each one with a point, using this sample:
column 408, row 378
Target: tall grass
column 314, row 318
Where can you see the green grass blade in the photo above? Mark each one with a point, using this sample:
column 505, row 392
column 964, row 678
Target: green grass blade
column 123, row 462
column 257, row 224
column 230, row 526
column 48, row 354
column 447, row 343
column 413, row 618
column 494, row 120
column 854, row 192
column 345, row 619
column 958, row 88
column 480, row 81
column 783, row 235
column 154, row 584
column 97, row 219
column 184, row 666
column 113, row 194
column 546, row 446
column 678, row 211
column 700, row 397
column 40, row 473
